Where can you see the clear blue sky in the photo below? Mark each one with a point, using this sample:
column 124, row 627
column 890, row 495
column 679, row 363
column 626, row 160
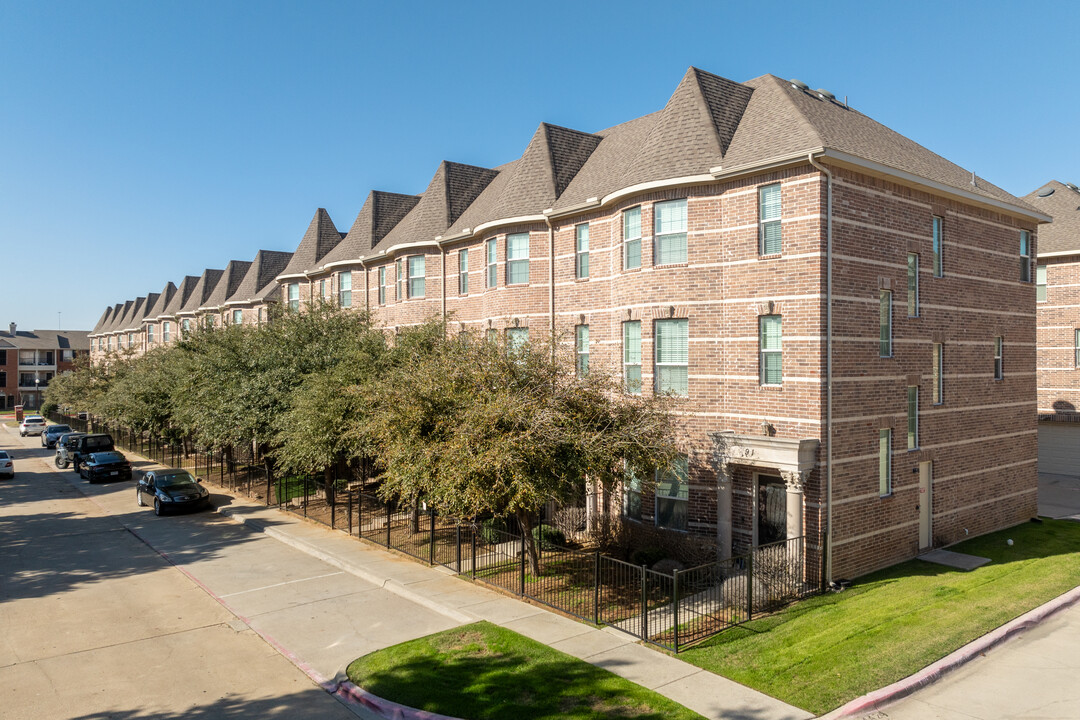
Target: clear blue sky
column 144, row 141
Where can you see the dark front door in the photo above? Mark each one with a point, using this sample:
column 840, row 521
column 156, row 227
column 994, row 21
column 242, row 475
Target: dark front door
column 771, row 509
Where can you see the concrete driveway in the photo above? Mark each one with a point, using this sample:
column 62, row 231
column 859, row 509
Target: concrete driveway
column 110, row 612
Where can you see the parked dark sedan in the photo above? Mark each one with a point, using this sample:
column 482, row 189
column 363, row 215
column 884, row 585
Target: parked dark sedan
column 52, row 433
column 171, row 490
column 109, row 465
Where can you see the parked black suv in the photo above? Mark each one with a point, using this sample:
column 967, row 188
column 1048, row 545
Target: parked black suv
column 89, row 444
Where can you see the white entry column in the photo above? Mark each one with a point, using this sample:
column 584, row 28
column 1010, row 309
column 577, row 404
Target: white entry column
column 795, row 481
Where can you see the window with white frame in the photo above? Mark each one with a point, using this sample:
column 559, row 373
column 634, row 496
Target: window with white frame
column 517, row 258
column 939, row 373
column 581, row 251
column 237, row 317
column 1040, row 283
column 492, row 264
column 672, row 356
column 1077, row 348
column 399, row 280
column 382, row 285
column 259, row 316
column 345, row 289
column 416, row 269
column 108, row 343
column 912, row 417
column 149, row 333
column 999, row 351
column 185, row 326
column 165, row 328
column 769, row 220
column 885, row 461
column 885, row 324
column 632, row 496
column 131, row 340
column 770, row 360
column 673, row 495
column 1025, row 256
column 632, row 356
column 581, row 347
column 669, row 239
column 516, row 339
column 913, row 285
column 463, row 272
column 294, row 297
column 631, row 224
column 938, row 246
column 322, row 288
column 492, row 335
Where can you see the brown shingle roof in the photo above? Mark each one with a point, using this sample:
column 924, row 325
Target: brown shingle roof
column 319, row 239
column 1063, row 204
column 202, row 291
column 259, row 281
column 229, row 282
column 454, row 187
column 47, row 339
column 382, row 211
column 115, row 317
column 162, row 301
column 181, row 296
column 133, row 312
column 103, row 321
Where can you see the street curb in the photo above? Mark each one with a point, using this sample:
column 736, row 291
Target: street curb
column 350, row 693
column 934, row 672
column 387, row 584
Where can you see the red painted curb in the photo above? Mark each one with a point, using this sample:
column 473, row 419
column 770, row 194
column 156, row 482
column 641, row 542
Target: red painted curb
column 932, row 673
column 349, row 692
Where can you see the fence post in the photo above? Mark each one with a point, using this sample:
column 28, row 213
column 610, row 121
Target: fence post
column 333, row 513
column 644, row 604
column 596, row 588
column 750, row 585
column 349, row 503
column 387, row 524
column 522, row 560
column 457, row 544
column 268, row 484
column 473, row 565
column 431, row 548
column 675, row 605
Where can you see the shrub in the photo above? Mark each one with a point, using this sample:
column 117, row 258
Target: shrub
column 493, row 531
column 48, row 409
column 647, row 556
column 547, row 537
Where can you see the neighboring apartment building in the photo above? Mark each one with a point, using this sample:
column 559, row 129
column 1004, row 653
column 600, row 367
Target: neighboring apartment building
column 29, row 360
column 849, row 317
column 1057, row 278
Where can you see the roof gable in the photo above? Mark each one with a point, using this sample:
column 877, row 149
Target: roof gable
column 103, row 321
column 319, row 239
column 381, row 213
column 1063, row 204
column 158, row 307
column 202, row 290
column 228, row 284
column 181, row 296
column 261, row 273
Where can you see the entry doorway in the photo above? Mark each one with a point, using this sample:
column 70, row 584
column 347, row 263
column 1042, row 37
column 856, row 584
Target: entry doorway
column 926, row 505
column 770, row 510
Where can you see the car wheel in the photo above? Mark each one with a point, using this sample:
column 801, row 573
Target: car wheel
column 62, row 464
column 157, row 507
column 138, row 498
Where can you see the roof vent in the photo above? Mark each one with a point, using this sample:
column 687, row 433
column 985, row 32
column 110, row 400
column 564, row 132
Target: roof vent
column 799, row 85
column 1046, row 191
column 1072, row 187
column 825, row 94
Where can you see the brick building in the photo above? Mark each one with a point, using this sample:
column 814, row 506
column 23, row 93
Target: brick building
column 30, row 359
column 1057, row 279
column 849, row 317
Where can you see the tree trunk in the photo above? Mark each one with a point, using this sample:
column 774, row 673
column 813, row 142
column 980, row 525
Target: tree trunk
column 415, row 516
column 525, row 521
column 328, row 486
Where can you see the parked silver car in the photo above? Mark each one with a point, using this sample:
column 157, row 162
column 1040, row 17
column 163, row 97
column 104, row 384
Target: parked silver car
column 32, row 425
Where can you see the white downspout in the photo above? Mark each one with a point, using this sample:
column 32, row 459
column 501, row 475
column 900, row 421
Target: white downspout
column 828, row 369
column 551, row 275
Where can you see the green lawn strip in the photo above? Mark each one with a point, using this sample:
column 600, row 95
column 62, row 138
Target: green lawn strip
column 485, row 672
column 826, row 650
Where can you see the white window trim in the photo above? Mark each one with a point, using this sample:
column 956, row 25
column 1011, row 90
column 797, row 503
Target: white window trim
column 913, row 295
column 579, row 253
column 627, row 240
column 762, row 352
column 885, row 298
column 886, row 481
column 463, row 271
column 657, row 365
column 491, row 264
column 999, row 358
column 762, row 222
column 658, row 236
column 912, row 435
column 937, row 244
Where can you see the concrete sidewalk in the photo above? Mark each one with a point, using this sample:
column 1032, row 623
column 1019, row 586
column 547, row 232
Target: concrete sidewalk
column 463, row 601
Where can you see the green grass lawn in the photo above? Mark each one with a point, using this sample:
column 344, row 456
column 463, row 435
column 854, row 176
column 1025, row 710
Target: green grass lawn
column 485, row 672
column 824, row 651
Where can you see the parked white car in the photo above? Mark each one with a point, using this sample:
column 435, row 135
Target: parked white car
column 7, row 465
column 32, row 425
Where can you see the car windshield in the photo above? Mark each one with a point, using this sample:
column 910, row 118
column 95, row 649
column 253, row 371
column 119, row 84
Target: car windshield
column 108, row 457
column 175, row 480
column 58, row 429
column 34, row 420
column 3, row 455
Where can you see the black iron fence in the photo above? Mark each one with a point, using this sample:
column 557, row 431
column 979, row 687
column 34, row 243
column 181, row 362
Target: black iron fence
column 669, row 609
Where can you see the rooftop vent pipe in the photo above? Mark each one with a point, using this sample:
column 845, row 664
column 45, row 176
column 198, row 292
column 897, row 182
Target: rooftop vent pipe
column 825, row 94
column 799, row 85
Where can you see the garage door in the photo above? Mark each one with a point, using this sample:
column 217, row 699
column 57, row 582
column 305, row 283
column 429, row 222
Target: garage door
column 1059, row 448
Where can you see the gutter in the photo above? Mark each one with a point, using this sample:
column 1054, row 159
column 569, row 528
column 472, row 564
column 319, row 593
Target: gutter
column 551, row 277
column 828, row 368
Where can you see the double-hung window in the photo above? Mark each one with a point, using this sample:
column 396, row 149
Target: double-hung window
column 939, row 373
column 165, row 327
column 345, row 289
column 517, row 258
column 770, row 367
column 516, row 339
column 322, row 288
column 382, row 285
column 769, row 220
column 1076, row 347
column 913, row 417
column 1040, row 283
column 885, row 324
column 581, row 348
column 237, row 317
column 492, row 264
column 416, row 269
column 672, row 356
column 185, row 326
column 885, row 461
column 581, row 251
column 463, row 272
column 149, row 333
column 1025, row 256
column 939, row 269
column 999, row 351
column 631, row 234
column 294, row 297
column 673, row 495
column 399, row 280
column 131, row 340
column 670, row 234
column 913, row 285
column 632, row 501
column 632, row 356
